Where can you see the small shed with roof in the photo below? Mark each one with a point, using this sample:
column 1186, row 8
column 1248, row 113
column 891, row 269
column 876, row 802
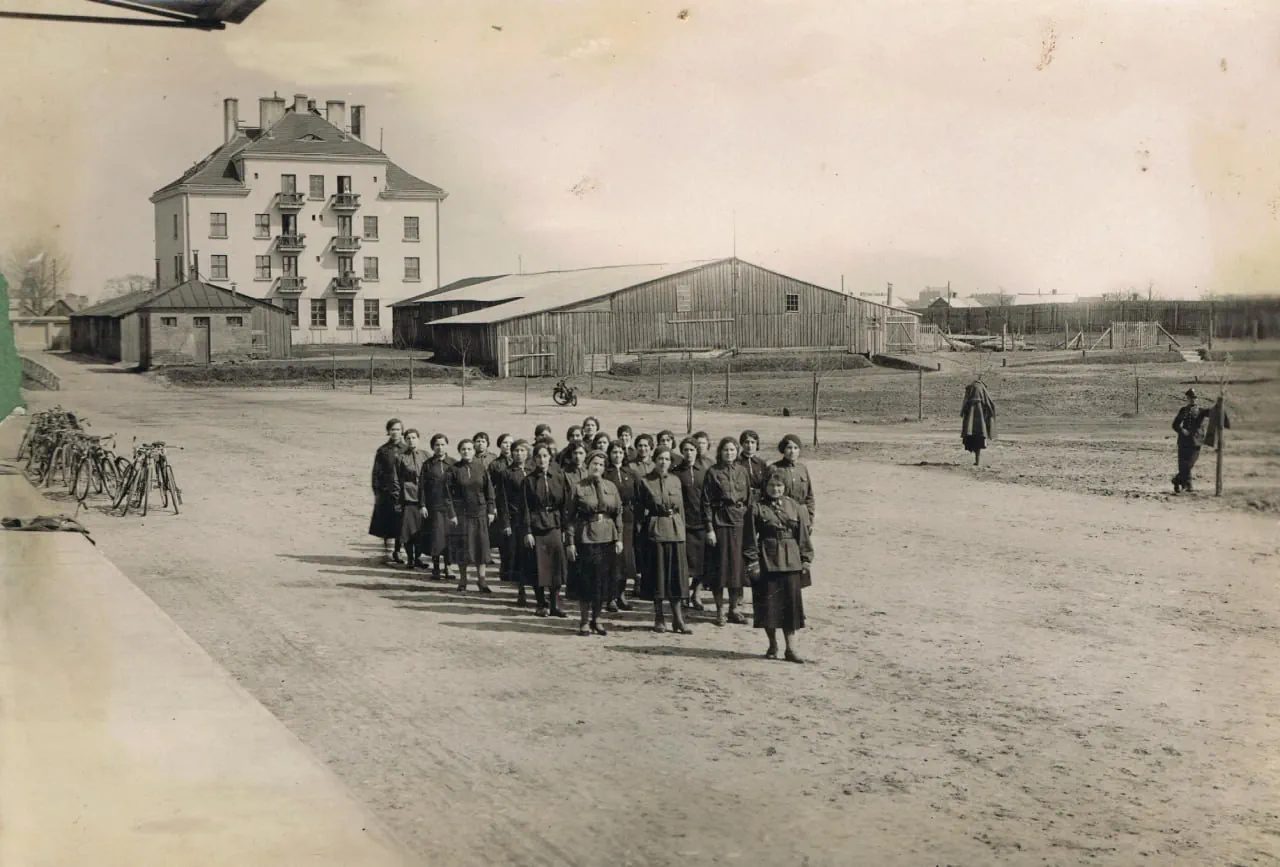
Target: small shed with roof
column 191, row 323
column 566, row 322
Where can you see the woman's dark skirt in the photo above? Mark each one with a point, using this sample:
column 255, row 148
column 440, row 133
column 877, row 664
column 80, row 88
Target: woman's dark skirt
column 625, row 563
column 411, row 525
column 508, row 554
column 469, row 541
column 974, row 443
column 667, row 575
column 777, row 602
column 522, row 566
column 695, row 553
column 435, row 536
column 728, row 567
column 385, row 523
column 594, row 576
column 548, row 559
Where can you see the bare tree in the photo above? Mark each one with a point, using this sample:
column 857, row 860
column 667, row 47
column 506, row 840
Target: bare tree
column 462, row 345
column 39, row 274
column 127, row 284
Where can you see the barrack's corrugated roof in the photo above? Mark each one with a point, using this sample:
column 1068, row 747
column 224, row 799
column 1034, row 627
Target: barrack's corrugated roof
column 305, row 134
column 191, row 295
column 517, row 295
column 456, row 284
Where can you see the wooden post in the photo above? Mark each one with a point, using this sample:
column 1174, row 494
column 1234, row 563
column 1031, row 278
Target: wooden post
column 410, row 376
column 333, row 361
column 815, row 407
column 464, row 379
column 1221, row 410
column 592, row 377
column 688, row 423
column 659, row 377
column 1137, row 396
column 1210, row 326
column 727, row 365
column 920, row 395
column 1254, row 326
column 526, row 392
column 370, row 373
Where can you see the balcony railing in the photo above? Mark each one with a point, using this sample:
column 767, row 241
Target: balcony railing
column 346, row 243
column 290, row 243
column 288, row 284
column 345, row 201
column 348, row 282
column 290, row 201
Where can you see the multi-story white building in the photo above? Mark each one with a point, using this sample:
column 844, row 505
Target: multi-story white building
column 301, row 211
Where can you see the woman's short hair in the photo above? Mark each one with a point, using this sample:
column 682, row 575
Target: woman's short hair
column 481, row 435
column 435, row 438
column 596, row 453
column 392, row 422
column 789, row 438
column 748, row 434
column 661, row 450
column 502, row 438
column 724, row 441
column 540, row 447
column 644, row 438
column 412, row 430
column 616, row 446
column 464, row 442
column 573, row 427
column 688, row 441
column 624, row 428
column 519, row 444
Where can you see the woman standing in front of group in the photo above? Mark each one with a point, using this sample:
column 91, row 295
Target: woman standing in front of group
column 795, row 475
column 471, row 510
column 385, row 522
column 408, row 477
column 544, row 499
column 507, row 488
column 779, row 557
column 433, row 492
column 595, row 540
column 666, row 576
column 627, row 484
column 725, row 499
column 697, row 550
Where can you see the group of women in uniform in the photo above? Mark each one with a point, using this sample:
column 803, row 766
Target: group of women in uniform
column 602, row 513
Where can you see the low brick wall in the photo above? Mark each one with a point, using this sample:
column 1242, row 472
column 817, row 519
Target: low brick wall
column 37, row 372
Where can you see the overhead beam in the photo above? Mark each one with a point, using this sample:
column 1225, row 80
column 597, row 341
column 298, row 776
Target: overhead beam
column 188, row 24
column 145, row 10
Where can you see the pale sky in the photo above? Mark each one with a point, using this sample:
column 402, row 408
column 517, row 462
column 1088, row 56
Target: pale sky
column 1083, row 145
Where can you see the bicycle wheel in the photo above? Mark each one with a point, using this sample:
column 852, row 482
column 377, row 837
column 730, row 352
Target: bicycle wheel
column 146, row 488
column 110, row 475
column 172, row 484
column 121, row 500
column 82, row 480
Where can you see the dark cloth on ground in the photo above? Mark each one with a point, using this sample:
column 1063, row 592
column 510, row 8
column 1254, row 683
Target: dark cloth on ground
column 977, row 417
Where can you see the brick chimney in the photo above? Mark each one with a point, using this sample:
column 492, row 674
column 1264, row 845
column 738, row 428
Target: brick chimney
column 358, row 121
column 299, row 103
column 270, row 110
column 335, row 111
column 230, row 118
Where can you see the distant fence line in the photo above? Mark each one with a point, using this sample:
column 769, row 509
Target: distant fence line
column 37, row 372
column 1233, row 318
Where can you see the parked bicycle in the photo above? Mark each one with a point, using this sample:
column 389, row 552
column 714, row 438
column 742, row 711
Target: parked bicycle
column 99, row 470
column 150, row 469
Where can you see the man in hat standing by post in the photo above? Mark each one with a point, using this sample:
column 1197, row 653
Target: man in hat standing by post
column 1189, row 426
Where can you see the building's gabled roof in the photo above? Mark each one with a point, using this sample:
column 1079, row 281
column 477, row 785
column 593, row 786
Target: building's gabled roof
column 456, row 284
column 517, row 295
column 191, row 295
column 400, row 181
column 218, row 169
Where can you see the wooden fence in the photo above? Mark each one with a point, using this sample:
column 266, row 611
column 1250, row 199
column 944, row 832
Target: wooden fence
column 37, row 372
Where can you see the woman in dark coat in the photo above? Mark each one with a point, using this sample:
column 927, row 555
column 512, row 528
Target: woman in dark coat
column 977, row 419
column 544, row 499
column 795, row 474
column 779, row 559
column 749, row 456
column 697, row 550
column 661, row 506
column 408, row 474
column 471, row 511
column 574, row 467
column 507, row 486
column 726, row 494
column 385, row 522
column 617, row 472
column 595, row 540
column 641, row 466
column 433, row 491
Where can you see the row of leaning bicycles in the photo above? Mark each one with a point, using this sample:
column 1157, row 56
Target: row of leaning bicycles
column 57, row 449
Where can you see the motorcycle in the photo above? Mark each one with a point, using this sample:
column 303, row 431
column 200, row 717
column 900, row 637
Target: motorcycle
column 564, row 394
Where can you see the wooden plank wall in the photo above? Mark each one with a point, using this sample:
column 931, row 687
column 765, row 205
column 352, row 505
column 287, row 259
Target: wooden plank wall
column 1231, row 317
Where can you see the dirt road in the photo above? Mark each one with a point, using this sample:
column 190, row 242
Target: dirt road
column 1001, row 674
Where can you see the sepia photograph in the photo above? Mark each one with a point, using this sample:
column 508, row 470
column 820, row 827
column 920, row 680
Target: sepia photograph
column 640, row 434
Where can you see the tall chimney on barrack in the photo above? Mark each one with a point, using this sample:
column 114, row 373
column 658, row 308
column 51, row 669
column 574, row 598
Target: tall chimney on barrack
column 357, row 121
column 335, row 111
column 230, row 118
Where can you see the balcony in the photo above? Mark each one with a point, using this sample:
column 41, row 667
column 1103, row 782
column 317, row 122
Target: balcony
column 290, row 243
column 345, row 201
column 290, row 201
column 347, row 283
column 290, row 285
column 345, row 244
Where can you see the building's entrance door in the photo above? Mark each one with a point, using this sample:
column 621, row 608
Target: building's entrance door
column 201, row 333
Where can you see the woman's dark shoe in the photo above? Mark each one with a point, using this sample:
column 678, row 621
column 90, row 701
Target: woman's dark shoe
column 583, row 630
column 612, row 607
column 485, row 588
column 771, row 653
column 659, row 627
column 719, row 618
column 522, row 602
column 397, row 558
column 792, row 656
column 598, row 629
column 622, row 604
column 696, row 604
column 736, row 617
column 462, row 588
column 556, row 612
column 683, row 629
column 541, row 612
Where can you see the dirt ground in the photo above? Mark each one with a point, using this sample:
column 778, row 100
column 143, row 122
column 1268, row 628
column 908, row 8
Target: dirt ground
column 1000, row 673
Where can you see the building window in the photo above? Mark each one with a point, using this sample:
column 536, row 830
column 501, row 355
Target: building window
column 344, row 184
column 345, row 228
column 262, row 225
column 317, row 187
column 217, row 225
column 289, row 266
column 412, row 268
column 371, row 267
column 793, row 303
column 175, row 227
column 371, row 313
column 684, row 298
column 411, row 228
column 288, row 184
column 346, row 266
column 346, row 313
column 235, row 321
column 371, row 228
column 319, row 313
column 177, row 267
column 171, row 321
column 291, row 304
column 218, row 267
column 262, row 267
